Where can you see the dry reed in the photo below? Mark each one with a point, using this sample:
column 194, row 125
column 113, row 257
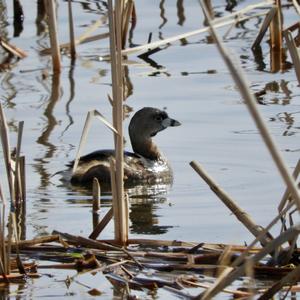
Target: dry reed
column 286, row 194
column 293, row 52
column 7, row 153
column 13, row 49
column 264, row 27
column 115, row 23
column 94, row 114
column 218, row 22
column 276, row 29
column 84, row 38
column 297, row 6
column 71, row 29
column 52, row 25
column 102, row 224
column 96, row 195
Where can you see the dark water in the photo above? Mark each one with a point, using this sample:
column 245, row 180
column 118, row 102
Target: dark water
column 190, row 80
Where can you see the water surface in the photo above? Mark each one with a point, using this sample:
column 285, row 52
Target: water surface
column 187, row 78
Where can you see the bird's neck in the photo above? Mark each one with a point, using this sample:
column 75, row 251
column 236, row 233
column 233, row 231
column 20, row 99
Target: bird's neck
column 146, row 148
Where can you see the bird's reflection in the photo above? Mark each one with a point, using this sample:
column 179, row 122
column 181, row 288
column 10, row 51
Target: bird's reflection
column 144, row 204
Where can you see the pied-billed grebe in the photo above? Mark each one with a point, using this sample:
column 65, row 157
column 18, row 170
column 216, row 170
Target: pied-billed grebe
column 145, row 165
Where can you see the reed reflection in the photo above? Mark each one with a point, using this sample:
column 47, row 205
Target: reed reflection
column 41, row 17
column 71, row 98
column 259, row 59
column 43, row 139
column 100, row 6
column 276, row 88
column 6, row 58
column 145, row 201
column 18, row 18
column 10, row 90
column 180, row 12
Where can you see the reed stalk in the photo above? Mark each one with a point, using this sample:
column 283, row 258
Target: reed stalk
column 115, row 201
column 115, row 23
column 18, row 183
column 96, row 195
column 102, row 224
column 293, row 52
column 263, row 29
column 23, row 178
column 84, row 38
column 297, row 6
column 276, row 28
column 93, row 114
column 209, row 9
column 13, row 49
column 286, row 194
column 96, row 202
column 218, row 22
column 126, row 15
column 3, row 254
column 71, row 29
column 241, row 258
column 7, row 153
column 52, row 25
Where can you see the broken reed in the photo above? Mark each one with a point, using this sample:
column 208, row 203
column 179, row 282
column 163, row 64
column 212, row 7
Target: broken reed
column 71, row 30
column 15, row 173
column 292, row 47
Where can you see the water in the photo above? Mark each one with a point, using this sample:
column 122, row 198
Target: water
column 191, row 81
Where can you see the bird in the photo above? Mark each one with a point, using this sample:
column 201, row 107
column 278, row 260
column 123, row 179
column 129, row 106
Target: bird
column 145, row 165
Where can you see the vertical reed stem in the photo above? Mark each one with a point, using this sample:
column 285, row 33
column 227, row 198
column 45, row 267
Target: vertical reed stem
column 276, row 28
column 96, row 195
column 276, row 39
column 6, row 153
column 17, row 183
column 115, row 201
column 293, row 52
column 71, row 28
column 121, row 230
column 52, row 25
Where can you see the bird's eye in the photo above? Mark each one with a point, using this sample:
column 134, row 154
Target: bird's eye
column 158, row 118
